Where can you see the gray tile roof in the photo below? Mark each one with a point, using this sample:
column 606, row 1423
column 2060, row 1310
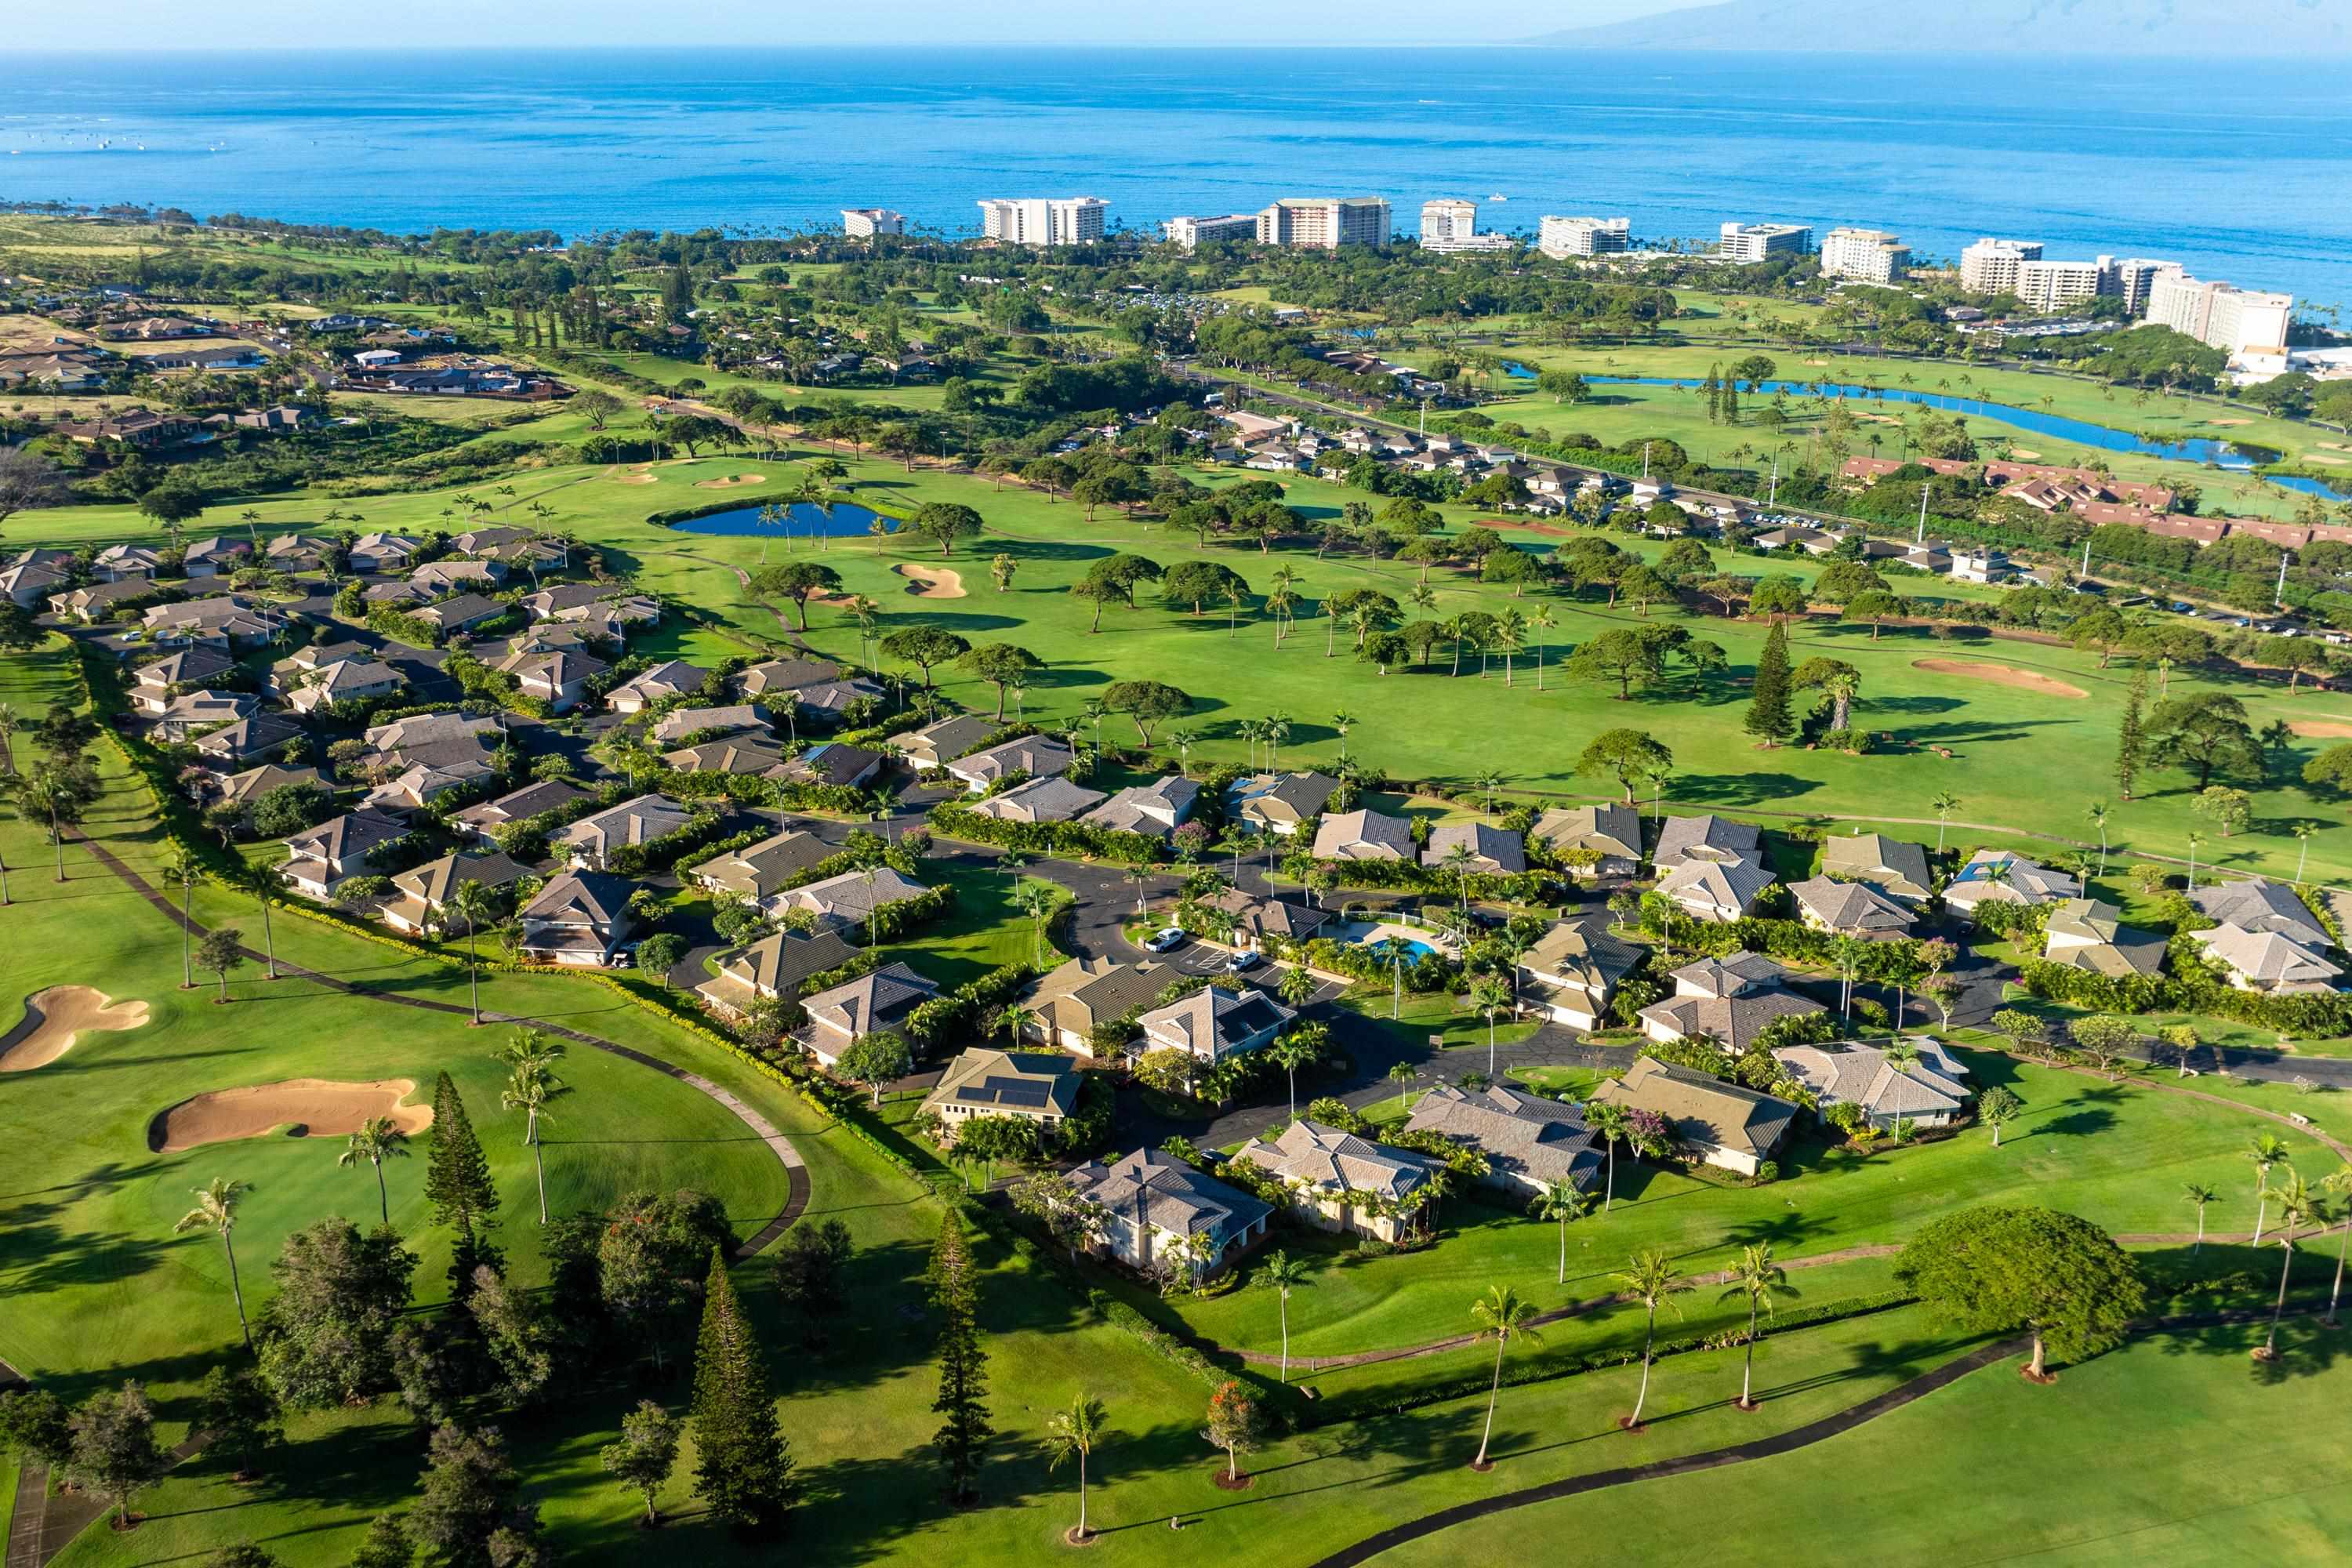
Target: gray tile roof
column 1935, row 1085
column 1523, row 1137
column 1030, row 1082
column 1363, row 834
column 1167, row 1195
column 1041, row 800
column 875, row 1000
column 2258, row 904
column 1851, row 908
column 1702, row 1110
column 2086, row 934
column 1212, row 1020
column 1311, row 1154
column 1498, row 850
column 1708, row 838
column 1614, row 830
column 1891, row 865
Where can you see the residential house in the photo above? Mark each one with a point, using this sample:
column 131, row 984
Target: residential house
column 1280, row 804
column 1613, row 832
column 298, row 553
column 1932, row 1091
column 1162, row 1213
column 941, row 741
column 1040, row 800
column 2267, row 961
column 2090, row 934
column 1494, row 851
column 1711, row 839
column 192, row 713
column 1155, row 810
column 1711, row 1120
column 319, row 860
column 2258, row 904
column 1363, row 834
column 421, row 784
column 1039, row 756
column 1999, row 876
column 156, row 684
column 1715, row 891
column 675, row 725
column 242, row 789
column 346, row 680
column 850, row 899
column 1330, row 1172
column 483, row 820
column 1727, row 1000
column 664, row 682
column 98, row 601
column 383, row 552
column 1981, row 566
column 1070, row 1003
column 759, row 871
column 878, row 999
column 1850, row 908
column 257, row 735
column 228, row 621
column 812, row 689
column 1255, row 918
column 1572, row 971
column 215, row 556
column 1529, row 1142
column 566, row 599
column 401, row 735
column 557, row 677
column 1036, row 1086
column 462, row 613
column 1895, row 867
column 423, row 892
column 289, row 673
column 121, row 563
column 439, row 577
column 834, row 764
column 588, row 844
column 28, row 583
column 747, row 755
column 580, row 919
column 1213, row 1022
column 773, row 967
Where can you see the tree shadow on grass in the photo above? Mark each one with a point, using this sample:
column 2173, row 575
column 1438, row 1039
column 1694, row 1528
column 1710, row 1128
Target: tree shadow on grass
column 1741, row 789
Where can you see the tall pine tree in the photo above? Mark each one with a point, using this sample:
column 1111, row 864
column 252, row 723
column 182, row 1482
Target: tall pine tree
column 964, row 1363
column 2131, row 744
column 1769, row 718
column 743, row 1465
column 457, row 1181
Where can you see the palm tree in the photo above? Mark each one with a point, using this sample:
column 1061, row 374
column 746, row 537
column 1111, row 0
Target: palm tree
column 1562, row 1200
column 1343, row 721
column 531, row 1082
column 1611, row 1123
column 2198, row 1194
column 1036, row 902
column 1402, row 1075
column 1755, row 1277
column 1542, row 622
column 1650, row 1279
column 1458, row 859
column 2294, row 1207
column 1016, row 1020
column 2339, row 1182
column 1184, row 741
column 1943, row 805
column 1490, row 995
column 2194, row 840
column 2303, row 834
column 470, row 902
column 215, row 1211
column 262, row 881
column 379, row 1139
column 1499, row 1314
column 1290, row 1054
column 1282, row 1274
column 181, row 866
column 1074, row 1434
column 2269, row 1149
column 2098, row 813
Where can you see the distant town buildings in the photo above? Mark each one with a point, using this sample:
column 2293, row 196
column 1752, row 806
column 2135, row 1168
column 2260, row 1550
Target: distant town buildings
column 865, row 223
column 1036, row 220
column 1325, row 223
column 2219, row 314
column 1751, row 242
column 1866, row 254
column 1192, row 232
column 1564, row 237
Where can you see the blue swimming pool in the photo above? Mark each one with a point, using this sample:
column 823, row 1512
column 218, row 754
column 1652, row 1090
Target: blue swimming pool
column 1414, row 952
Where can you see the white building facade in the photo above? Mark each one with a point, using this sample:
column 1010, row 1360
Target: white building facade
column 1560, row 237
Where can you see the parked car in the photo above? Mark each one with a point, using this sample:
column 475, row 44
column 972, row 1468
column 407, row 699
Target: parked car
column 1168, row 940
column 1248, row 958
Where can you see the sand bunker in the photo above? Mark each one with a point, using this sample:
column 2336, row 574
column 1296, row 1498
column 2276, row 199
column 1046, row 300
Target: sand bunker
column 632, row 478
column 2000, row 675
column 2323, row 458
column 731, row 481
column 930, row 582
column 2227, row 422
column 2309, row 729
column 52, row 1017
column 2020, row 455
column 317, row 1106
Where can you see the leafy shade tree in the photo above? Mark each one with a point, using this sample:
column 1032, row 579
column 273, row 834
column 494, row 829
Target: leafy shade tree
column 220, row 951
column 924, row 647
column 240, row 1412
column 386, row 1545
column 1074, row 1434
column 1768, row 718
column 646, row 1453
column 876, row 1058
column 467, row 1507
column 242, row 1554
column 1754, row 1279
column 795, row 582
column 1834, row 679
column 1200, row 583
column 964, row 1430
column 1501, row 1315
column 33, row 1426
column 1995, row 1270
column 1002, row 665
column 1630, row 756
column 1282, row 1274
column 809, row 1265
column 1997, row 1107
column 944, row 522
column 658, row 954
column 2204, row 733
column 113, row 1452
column 1876, row 609
column 742, row 1463
column 1235, row 1424
column 1649, row 1277
column 2331, row 771
column 326, row 1334
column 1147, row 702
column 215, row 1211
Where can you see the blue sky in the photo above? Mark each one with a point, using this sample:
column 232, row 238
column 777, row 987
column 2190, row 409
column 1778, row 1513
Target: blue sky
column 542, row 24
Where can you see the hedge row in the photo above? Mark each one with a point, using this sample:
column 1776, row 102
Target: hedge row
column 1074, row 839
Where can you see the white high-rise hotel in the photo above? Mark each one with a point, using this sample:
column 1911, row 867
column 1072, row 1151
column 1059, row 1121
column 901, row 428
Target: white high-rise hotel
column 1325, row 223
column 1565, row 236
column 1070, row 220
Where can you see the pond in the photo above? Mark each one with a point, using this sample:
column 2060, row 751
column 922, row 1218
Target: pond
column 2191, row 450
column 794, row 519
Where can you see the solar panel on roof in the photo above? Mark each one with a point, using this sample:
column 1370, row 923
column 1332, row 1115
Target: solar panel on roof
column 1015, row 1091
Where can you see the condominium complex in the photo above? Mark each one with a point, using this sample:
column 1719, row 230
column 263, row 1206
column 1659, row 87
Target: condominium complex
column 865, row 223
column 2050, row 286
column 1325, row 223
column 2131, row 277
column 1447, row 219
column 1565, row 236
column 1866, row 255
column 1192, row 232
column 1762, row 241
column 2219, row 314
column 1070, row 220
column 1990, row 266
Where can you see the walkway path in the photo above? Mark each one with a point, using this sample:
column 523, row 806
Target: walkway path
column 795, row 1171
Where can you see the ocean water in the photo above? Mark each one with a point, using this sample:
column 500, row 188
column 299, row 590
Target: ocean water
column 2241, row 170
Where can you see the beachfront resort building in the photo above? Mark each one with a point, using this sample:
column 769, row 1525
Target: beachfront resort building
column 1450, row 226
column 2219, row 314
column 865, row 223
column 1036, row 220
column 1560, row 237
column 1325, row 223
column 1192, row 232
column 1866, row 254
column 1752, row 242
